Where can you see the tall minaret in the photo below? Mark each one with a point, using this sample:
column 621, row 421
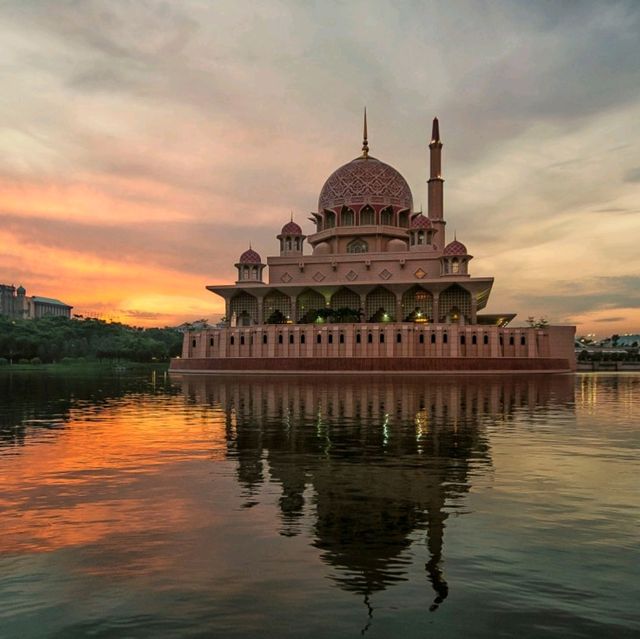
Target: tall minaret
column 436, row 186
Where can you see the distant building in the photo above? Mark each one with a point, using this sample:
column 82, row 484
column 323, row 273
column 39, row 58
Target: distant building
column 15, row 303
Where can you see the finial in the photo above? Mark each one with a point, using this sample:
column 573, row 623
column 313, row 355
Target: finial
column 292, row 215
column 455, row 235
column 365, row 142
column 435, row 131
column 249, row 245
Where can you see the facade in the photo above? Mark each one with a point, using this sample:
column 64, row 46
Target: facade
column 382, row 290
column 15, row 303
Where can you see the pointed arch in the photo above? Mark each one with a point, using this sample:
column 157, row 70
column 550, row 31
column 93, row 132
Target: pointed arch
column 380, row 305
column 277, row 307
column 245, row 308
column 367, row 216
column 417, row 303
column 308, row 303
column 346, row 305
column 455, row 305
column 347, row 216
column 387, row 216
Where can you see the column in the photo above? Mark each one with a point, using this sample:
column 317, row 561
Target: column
column 399, row 317
column 436, row 308
column 474, row 309
column 260, row 319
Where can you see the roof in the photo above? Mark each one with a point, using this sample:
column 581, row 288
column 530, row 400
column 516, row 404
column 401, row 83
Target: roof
column 49, row 300
column 291, row 228
column 365, row 180
column 420, row 222
column 250, row 257
column 455, row 248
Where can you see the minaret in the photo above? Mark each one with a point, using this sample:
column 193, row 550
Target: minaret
column 436, row 185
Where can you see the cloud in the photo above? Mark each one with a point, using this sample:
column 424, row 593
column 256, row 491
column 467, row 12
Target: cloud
column 159, row 144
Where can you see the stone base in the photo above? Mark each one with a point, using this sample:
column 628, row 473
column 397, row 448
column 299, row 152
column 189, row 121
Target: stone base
column 370, row 365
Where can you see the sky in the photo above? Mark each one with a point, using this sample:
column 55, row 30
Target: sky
column 144, row 144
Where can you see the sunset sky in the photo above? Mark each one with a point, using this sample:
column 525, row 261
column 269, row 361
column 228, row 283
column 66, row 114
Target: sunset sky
column 144, row 144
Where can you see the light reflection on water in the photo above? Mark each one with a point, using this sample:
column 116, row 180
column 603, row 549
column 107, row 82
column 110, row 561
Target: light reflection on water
column 141, row 505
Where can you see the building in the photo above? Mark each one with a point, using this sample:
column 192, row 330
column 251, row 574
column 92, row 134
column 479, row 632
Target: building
column 382, row 289
column 15, row 303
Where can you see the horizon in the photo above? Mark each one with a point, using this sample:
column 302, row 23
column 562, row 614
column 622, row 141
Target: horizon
column 139, row 161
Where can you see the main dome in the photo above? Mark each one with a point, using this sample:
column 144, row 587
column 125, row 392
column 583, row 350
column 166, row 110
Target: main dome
column 365, row 180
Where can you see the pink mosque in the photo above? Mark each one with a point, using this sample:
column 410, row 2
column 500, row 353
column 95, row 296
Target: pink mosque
column 382, row 290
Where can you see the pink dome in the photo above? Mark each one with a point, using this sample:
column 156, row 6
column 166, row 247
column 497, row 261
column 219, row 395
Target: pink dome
column 455, row 248
column 291, row 228
column 420, row 222
column 250, row 257
column 365, row 180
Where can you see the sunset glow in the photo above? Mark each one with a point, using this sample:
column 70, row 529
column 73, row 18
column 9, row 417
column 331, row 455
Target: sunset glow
column 139, row 160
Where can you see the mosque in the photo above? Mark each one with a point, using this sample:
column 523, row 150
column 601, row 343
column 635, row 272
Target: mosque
column 381, row 290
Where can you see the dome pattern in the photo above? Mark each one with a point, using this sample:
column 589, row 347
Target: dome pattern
column 365, row 180
column 455, row 248
column 291, row 228
column 420, row 222
column 250, row 257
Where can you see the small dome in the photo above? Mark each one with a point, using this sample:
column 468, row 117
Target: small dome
column 396, row 245
column 21, row 290
column 455, row 248
column 250, row 257
column 291, row 228
column 420, row 222
column 322, row 249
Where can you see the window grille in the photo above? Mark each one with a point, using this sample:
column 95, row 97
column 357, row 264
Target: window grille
column 417, row 303
column 455, row 303
column 345, row 298
column 357, row 246
column 386, row 216
column 245, row 307
column 347, row 217
column 380, row 302
column 367, row 216
column 276, row 302
column 309, row 301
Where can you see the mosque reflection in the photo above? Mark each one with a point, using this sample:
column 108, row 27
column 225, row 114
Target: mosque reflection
column 377, row 463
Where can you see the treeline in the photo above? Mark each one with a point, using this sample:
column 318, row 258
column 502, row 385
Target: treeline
column 53, row 339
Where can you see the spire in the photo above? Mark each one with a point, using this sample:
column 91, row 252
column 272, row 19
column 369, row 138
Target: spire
column 292, row 215
column 435, row 131
column 365, row 141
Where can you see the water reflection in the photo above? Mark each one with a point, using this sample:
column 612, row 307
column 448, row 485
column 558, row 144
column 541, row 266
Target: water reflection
column 378, row 463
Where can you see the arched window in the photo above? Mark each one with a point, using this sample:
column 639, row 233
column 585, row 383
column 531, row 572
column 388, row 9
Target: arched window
column 485, row 340
column 370, row 338
column 474, row 340
column 193, row 343
column 421, row 338
column 463, row 340
column 455, row 303
column 329, row 219
column 241, row 340
column 523, row 341
column 309, row 303
column 417, row 305
column 380, row 305
column 399, row 338
column 367, row 216
column 330, row 340
column 357, row 246
column 280, row 340
column 347, row 217
column 382, row 338
column 455, row 265
column 403, row 219
column 211, row 341
column 264, row 338
column 302, row 338
column 386, row 216
column 420, row 238
column 290, row 338
column 433, row 338
column 245, row 308
column 276, row 308
column 342, row 338
column 445, row 338
column 232, row 340
column 319, row 338
column 358, row 338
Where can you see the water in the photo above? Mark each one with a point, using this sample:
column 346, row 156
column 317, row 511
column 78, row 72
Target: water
column 143, row 505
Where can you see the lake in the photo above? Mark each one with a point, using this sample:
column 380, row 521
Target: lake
column 144, row 504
